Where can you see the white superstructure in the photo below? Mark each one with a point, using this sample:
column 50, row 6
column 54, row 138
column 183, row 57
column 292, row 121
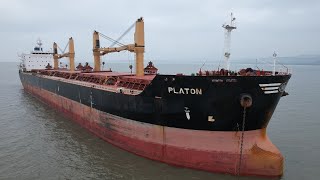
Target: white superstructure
column 37, row 59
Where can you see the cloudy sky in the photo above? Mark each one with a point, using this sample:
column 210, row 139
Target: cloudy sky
column 174, row 29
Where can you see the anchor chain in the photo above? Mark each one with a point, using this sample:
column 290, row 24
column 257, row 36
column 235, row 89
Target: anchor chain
column 242, row 139
column 246, row 102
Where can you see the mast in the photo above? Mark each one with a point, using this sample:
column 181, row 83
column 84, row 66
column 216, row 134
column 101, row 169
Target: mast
column 227, row 40
column 96, row 51
column 39, row 42
column 55, row 56
column 274, row 63
column 139, row 46
column 71, row 54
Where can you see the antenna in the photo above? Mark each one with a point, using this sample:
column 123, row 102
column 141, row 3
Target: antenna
column 203, row 65
column 39, row 42
column 227, row 40
column 257, row 65
column 274, row 63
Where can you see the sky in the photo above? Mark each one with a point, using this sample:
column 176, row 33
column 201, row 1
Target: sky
column 175, row 30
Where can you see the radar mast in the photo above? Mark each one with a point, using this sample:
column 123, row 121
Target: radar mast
column 39, row 43
column 227, row 40
column 274, row 63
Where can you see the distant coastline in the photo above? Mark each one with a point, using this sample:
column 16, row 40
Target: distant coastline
column 295, row 60
column 298, row 60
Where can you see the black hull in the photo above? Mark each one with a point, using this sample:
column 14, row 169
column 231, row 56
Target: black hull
column 164, row 103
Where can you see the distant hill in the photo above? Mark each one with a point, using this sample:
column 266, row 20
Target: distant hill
column 301, row 60
column 295, row 60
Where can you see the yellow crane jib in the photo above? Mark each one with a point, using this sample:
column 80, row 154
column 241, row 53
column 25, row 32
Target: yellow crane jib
column 137, row 47
column 69, row 54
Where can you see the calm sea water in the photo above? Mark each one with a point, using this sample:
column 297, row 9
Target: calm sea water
column 37, row 142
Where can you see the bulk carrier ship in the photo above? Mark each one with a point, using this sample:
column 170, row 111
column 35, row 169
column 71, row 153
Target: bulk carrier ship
column 214, row 120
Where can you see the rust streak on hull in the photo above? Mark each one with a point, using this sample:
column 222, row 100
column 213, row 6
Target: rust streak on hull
column 215, row 151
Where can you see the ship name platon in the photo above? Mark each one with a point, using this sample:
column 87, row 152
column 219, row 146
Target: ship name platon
column 186, row 91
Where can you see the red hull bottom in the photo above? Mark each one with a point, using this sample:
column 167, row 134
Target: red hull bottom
column 215, row 151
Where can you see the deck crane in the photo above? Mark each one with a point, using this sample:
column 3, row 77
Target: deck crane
column 69, row 54
column 137, row 47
